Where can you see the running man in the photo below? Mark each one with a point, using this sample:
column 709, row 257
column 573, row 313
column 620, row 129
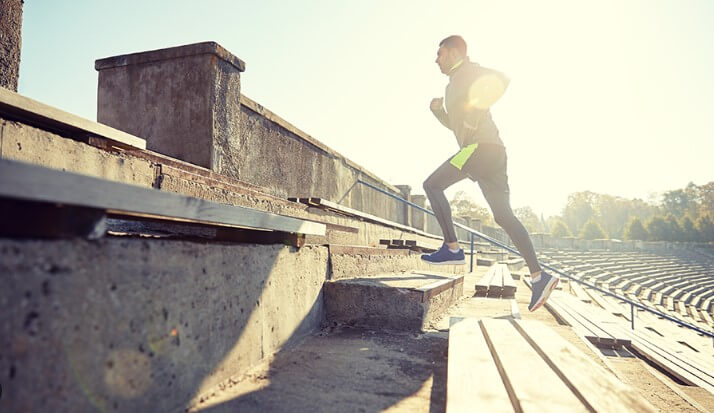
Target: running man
column 471, row 91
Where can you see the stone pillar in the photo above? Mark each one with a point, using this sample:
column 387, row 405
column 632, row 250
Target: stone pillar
column 185, row 101
column 408, row 210
column 10, row 42
column 419, row 217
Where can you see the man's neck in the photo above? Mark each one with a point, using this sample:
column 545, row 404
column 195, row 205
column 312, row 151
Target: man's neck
column 456, row 66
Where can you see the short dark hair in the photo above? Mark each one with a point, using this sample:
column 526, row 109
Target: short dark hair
column 454, row 42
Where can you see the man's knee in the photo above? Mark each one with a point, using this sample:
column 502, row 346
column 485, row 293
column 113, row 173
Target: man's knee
column 503, row 218
column 428, row 185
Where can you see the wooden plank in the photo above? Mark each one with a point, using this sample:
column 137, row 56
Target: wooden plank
column 607, row 304
column 598, row 320
column 675, row 364
column 324, row 203
column 509, row 286
column 580, row 328
column 705, row 315
column 32, row 112
column 578, row 291
column 583, row 325
column 34, row 183
column 495, row 286
column 595, row 387
column 515, row 312
column 483, row 284
column 473, row 381
column 527, row 373
column 438, row 286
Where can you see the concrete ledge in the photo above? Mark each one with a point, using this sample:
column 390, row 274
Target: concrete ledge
column 357, row 262
column 407, row 301
column 170, row 53
column 39, row 114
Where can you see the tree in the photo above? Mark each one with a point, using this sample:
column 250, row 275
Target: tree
column 689, row 231
column 674, row 231
column 635, row 230
column 592, row 230
column 579, row 209
column 560, row 230
column 464, row 206
column 680, row 201
column 657, row 228
column 705, row 227
column 529, row 219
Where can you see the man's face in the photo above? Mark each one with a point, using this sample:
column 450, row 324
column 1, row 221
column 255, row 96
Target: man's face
column 446, row 58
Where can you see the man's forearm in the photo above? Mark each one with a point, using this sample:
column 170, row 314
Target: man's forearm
column 442, row 117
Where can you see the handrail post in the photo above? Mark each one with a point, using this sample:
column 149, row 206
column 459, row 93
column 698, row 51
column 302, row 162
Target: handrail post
column 471, row 235
column 632, row 316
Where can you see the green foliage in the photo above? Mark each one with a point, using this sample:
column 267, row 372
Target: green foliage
column 635, row 230
column 674, row 231
column 464, row 206
column 658, row 229
column 529, row 219
column 592, row 230
column 705, row 228
column 689, row 231
column 579, row 209
column 560, row 230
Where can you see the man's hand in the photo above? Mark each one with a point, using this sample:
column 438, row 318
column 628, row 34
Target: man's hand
column 437, row 105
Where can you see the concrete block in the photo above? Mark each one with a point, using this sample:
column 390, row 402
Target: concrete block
column 356, row 262
column 185, row 101
column 11, row 35
column 128, row 324
column 32, row 145
column 407, row 301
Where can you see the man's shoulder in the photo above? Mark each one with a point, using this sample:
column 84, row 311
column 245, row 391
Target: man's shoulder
column 479, row 71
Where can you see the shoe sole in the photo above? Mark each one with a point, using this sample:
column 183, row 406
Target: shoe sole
column 546, row 293
column 460, row 262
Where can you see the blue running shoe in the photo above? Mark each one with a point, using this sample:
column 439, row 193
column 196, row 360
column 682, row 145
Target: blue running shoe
column 444, row 257
column 541, row 290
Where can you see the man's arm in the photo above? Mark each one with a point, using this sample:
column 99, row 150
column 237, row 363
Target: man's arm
column 482, row 94
column 437, row 108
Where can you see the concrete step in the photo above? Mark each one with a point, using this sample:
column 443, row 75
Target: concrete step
column 348, row 261
column 397, row 301
column 514, row 264
column 493, row 255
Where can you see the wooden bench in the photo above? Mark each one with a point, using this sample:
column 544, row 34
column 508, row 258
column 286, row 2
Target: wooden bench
column 38, row 190
column 497, row 365
column 496, row 282
column 576, row 314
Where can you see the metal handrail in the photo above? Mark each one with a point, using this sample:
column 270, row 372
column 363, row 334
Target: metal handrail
column 473, row 232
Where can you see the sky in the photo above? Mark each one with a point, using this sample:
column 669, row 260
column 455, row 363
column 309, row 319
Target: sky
column 615, row 97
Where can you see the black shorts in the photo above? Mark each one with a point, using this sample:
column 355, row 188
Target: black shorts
column 487, row 165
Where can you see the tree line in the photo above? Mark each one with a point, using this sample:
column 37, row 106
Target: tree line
column 685, row 214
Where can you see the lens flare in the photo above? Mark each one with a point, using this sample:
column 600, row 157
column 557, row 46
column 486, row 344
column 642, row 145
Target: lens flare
column 485, row 91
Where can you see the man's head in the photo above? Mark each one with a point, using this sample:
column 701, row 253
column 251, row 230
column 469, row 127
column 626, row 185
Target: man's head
column 451, row 51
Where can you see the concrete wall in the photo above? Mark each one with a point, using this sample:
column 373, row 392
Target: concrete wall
column 185, row 101
column 10, row 42
column 288, row 162
column 129, row 324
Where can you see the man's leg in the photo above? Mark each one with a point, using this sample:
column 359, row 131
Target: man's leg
column 434, row 186
column 503, row 215
column 542, row 283
column 489, row 166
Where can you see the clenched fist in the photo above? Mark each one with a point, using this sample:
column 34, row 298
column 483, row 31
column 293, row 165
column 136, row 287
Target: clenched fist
column 437, row 105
